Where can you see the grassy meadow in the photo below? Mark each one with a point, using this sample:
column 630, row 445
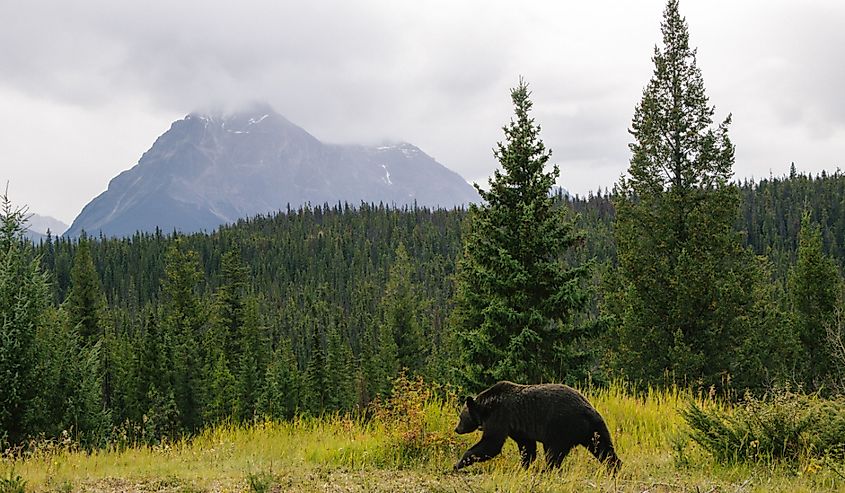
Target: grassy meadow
column 410, row 446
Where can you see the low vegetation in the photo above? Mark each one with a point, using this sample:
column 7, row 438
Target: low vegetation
column 783, row 426
column 407, row 444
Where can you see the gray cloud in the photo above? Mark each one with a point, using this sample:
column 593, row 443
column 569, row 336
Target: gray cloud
column 110, row 76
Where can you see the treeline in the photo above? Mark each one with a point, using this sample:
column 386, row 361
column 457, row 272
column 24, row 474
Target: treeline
column 309, row 311
column 313, row 310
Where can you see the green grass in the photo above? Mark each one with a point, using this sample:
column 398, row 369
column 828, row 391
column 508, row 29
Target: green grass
column 413, row 449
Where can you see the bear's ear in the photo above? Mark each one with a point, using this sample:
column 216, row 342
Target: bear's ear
column 473, row 409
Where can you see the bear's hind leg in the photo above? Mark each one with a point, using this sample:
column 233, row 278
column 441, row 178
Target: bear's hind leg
column 556, row 453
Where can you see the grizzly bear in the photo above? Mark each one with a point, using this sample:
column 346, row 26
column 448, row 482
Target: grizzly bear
column 555, row 415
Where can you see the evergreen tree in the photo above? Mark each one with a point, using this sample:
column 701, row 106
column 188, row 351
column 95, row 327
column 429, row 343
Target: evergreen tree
column 183, row 320
column 340, row 373
column 24, row 300
column 231, row 295
column 814, row 285
column 220, row 399
column 253, row 362
column 161, row 420
column 687, row 282
column 768, row 355
column 515, row 295
column 119, row 374
column 316, row 379
column 152, row 367
column 379, row 361
column 400, row 309
column 85, row 301
column 281, row 395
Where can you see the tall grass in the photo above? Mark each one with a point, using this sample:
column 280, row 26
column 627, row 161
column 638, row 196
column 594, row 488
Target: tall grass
column 407, row 444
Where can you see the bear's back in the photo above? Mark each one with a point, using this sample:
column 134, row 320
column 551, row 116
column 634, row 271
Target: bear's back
column 538, row 409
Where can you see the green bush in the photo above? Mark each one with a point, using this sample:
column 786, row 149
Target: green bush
column 782, row 426
column 12, row 484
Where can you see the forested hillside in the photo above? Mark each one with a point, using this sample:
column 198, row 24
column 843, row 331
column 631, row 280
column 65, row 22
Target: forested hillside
column 318, row 309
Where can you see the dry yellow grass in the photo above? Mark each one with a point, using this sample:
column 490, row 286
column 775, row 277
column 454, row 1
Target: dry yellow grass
column 337, row 454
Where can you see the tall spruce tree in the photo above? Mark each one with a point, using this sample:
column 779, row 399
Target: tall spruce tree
column 85, row 301
column 379, row 361
column 69, row 384
column 281, row 397
column 24, row 301
column 183, row 321
column 340, row 372
column 515, row 296
column 686, row 279
column 230, row 304
column 400, row 308
column 152, row 366
column 316, row 380
column 253, row 362
column 814, row 287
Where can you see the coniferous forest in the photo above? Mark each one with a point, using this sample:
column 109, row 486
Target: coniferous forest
column 677, row 275
column 318, row 309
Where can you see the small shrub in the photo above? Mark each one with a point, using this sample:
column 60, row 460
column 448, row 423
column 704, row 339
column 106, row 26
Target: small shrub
column 63, row 487
column 13, row 483
column 410, row 418
column 783, row 426
column 260, row 482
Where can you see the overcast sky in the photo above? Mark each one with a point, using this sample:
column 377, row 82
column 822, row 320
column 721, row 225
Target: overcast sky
column 86, row 87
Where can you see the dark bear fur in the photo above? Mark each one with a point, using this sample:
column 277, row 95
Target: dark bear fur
column 557, row 416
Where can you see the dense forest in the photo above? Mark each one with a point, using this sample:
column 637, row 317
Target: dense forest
column 318, row 309
column 676, row 276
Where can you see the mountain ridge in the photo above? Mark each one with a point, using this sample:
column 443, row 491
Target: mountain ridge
column 213, row 168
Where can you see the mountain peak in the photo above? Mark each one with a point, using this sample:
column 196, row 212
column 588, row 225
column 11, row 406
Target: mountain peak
column 255, row 109
column 218, row 166
column 245, row 119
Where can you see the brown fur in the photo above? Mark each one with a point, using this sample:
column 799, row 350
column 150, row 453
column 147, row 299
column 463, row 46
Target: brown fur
column 555, row 415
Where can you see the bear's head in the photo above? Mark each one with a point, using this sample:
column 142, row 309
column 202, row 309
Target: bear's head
column 470, row 419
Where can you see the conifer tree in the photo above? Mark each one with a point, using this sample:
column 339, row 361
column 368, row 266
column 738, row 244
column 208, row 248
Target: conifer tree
column 119, row 374
column 379, row 361
column 68, row 397
column 253, row 362
column 24, row 300
column 85, row 301
column 221, row 397
column 152, row 366
column 316, row 379
column 231, row 296
column 515, row 296
column 687, row 282
column 282, row 392
column 161, row 420
column 183, row 321
column 814, row 286
column 340, row 373
column 400, row 309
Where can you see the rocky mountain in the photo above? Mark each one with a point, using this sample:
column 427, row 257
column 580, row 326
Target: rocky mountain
column 42, row 224
column 212, row 168
column 37, row 226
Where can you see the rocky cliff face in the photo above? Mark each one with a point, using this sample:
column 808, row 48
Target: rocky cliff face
column 211, row 169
